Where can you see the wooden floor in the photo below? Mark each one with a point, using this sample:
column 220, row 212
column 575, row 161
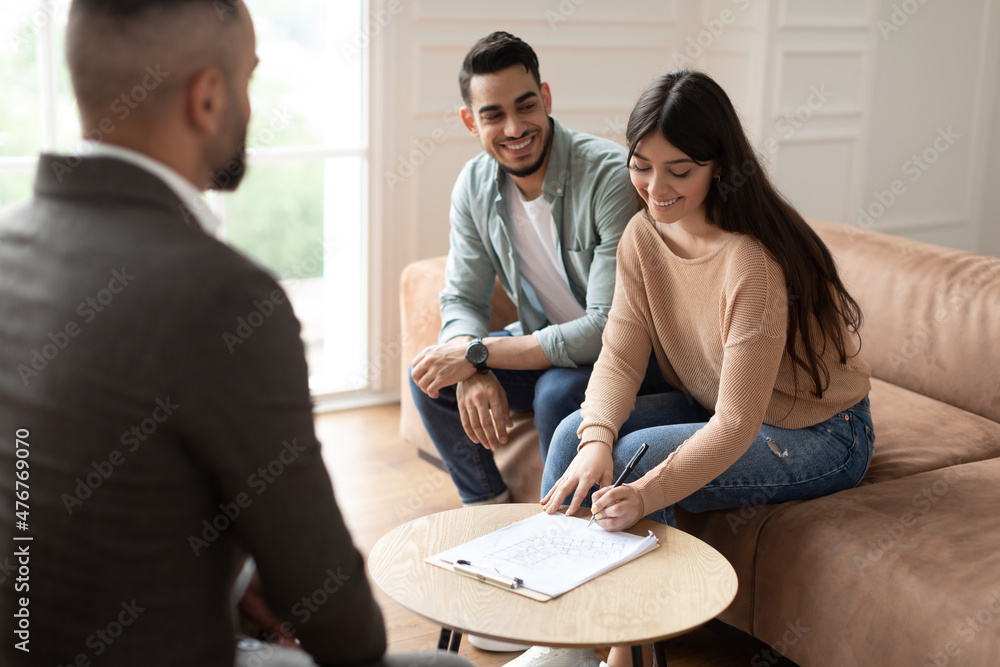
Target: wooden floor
column 380, row 483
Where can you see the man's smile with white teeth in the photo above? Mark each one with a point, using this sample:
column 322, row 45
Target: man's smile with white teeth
column 518, row 146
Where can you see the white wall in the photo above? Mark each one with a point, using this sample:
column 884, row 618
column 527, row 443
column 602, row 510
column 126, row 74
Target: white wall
column 839, row 95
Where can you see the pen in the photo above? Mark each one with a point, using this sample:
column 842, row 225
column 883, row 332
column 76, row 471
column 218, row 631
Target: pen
column 625, row 473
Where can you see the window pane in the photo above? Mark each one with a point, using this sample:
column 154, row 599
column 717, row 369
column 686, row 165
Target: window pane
column 342, row 359
column 316, row 246
column 15, row 187
column 306, row 90
column 20, row 108
column 276, row 217
column 67, row 117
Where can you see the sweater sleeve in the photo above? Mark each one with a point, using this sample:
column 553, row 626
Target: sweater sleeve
column 625, row 351
column 754, row 331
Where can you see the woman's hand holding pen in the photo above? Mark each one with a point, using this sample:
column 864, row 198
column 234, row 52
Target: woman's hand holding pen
column 617, row 508
column 591, row 465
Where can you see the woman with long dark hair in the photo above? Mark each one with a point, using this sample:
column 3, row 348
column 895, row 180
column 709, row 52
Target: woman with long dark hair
column 740, row 301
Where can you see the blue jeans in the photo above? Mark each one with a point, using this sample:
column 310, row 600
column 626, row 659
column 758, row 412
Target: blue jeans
column 779, row 466
column 553, row 394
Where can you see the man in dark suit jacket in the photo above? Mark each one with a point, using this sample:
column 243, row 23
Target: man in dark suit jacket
column 155, row 418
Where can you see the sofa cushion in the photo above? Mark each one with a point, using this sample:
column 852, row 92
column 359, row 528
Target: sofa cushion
column 904, row 572
column 915, row 434
column 933, row 314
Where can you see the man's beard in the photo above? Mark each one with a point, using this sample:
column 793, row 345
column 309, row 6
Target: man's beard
column 531, row 169
column 227, row 177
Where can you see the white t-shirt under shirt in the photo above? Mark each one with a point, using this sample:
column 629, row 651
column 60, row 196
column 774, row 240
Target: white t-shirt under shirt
column 533, row 234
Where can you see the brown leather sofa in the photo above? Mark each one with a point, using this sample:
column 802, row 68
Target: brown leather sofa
column 905, row 568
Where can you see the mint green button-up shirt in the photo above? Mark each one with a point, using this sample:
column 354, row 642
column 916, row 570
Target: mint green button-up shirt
column 588, row 187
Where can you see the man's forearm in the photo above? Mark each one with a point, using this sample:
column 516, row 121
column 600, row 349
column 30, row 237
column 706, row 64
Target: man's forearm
column 516, row 353
column 443, row 365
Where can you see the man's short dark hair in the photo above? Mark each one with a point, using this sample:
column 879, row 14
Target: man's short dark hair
column 111, row 44
column 129, row 8
column 494, row 53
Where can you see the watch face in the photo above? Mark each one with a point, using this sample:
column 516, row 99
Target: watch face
column 477, row 353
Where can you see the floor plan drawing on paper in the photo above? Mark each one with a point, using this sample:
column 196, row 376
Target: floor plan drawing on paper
column 549, row 553
column 536, row 549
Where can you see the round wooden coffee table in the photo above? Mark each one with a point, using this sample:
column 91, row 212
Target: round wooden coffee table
column 667, row 592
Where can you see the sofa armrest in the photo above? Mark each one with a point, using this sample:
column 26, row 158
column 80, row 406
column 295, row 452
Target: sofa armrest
column 420, row 321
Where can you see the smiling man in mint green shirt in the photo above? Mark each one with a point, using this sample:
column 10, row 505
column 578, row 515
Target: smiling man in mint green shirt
column 542, row 209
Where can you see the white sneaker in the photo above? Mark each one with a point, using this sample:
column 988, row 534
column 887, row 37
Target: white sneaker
column 537, row 656
column 251, row 653
column 484, row 644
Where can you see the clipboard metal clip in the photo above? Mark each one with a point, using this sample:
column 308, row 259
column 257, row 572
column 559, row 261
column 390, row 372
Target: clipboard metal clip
column 494, row 577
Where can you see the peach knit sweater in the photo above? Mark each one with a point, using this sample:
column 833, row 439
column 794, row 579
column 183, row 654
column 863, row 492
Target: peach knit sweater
column 717, row 325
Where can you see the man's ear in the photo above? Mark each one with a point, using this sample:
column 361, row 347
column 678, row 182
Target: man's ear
column 206, row 100
column 547, row 98
column 469, row 121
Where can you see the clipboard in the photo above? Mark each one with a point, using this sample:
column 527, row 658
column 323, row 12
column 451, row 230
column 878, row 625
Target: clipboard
column 477, row 559
column 494, row 579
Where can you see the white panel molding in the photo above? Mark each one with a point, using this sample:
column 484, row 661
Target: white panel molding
column 566, row 8
column 713, row 10
column 421, row 109
column 783, row 54
column 862, row 21
column 828, row 138
column 847, row 135
column 750, row 108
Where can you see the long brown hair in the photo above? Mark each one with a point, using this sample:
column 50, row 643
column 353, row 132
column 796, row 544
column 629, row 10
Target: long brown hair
column 694, row 114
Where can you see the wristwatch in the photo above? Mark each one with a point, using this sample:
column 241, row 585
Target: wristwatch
column 476, row 354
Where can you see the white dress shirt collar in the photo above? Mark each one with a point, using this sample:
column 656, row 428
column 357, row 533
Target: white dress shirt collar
column 186, row 192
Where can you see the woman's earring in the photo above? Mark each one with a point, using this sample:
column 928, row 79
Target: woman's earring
column 717, row 178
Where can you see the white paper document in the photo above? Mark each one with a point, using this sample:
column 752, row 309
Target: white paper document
column 547, row 553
